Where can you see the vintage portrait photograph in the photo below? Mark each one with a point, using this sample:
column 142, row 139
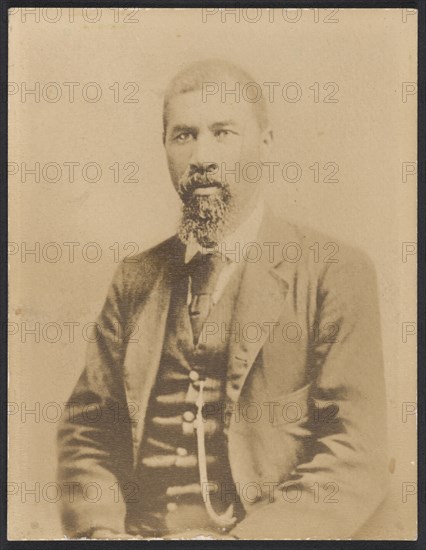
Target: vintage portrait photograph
column 212, row 258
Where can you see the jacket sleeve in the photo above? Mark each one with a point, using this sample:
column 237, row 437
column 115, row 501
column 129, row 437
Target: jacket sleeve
column 93, row 438
column 342, row 476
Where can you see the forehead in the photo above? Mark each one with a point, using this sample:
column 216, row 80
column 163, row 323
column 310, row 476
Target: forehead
column 192, row 108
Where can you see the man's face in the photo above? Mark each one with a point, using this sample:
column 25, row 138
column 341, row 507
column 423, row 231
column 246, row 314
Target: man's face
column 213, row 149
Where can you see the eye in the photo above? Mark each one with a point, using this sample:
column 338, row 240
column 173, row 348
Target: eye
column 183, row 137
column 223, row 133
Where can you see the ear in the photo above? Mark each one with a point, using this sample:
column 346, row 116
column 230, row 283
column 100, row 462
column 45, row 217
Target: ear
column 267, row 138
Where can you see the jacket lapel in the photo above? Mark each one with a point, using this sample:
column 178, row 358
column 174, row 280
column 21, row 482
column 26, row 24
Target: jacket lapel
column 143, row 357
column 260, row 302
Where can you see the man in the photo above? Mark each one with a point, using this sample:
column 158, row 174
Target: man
column 251, row 403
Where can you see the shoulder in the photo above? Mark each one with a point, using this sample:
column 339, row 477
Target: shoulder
column 320, row 260
column 165, row 252
column 320, row 248
column 142, row 269
column 340, row 274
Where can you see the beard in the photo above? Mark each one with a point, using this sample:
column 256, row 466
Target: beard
column 204, row 217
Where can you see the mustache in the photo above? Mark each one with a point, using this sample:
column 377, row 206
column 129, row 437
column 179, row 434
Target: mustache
column 193, row 179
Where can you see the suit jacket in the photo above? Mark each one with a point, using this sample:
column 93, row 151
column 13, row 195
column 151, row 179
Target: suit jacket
column 304, row 386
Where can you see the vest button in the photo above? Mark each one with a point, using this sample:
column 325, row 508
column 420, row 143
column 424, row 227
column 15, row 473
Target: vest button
column 194, row 376
column 171, row 506
column 188, row 428
column 188, row 416
column 180, row 451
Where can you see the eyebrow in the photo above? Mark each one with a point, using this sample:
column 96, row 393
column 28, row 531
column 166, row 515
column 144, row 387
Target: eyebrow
column 178, row 128
column 182, row 128
column 223, row 123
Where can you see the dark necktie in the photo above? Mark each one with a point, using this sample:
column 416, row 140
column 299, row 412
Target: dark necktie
column 204, row 271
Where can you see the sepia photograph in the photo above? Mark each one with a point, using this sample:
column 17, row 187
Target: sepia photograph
column 212, row 255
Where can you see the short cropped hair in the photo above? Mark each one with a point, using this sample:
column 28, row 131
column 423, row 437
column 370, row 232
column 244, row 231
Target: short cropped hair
column 194, row 76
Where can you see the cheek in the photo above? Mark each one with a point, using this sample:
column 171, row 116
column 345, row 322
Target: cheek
column 177, row 165
column 230, row 151
column 247, row 164
column 242, row 151
column 250, row 149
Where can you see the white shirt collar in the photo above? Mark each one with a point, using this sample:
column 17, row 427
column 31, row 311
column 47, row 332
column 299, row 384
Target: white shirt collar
column 245, row 233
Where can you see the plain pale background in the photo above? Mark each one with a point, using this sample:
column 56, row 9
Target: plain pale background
column 369, row 133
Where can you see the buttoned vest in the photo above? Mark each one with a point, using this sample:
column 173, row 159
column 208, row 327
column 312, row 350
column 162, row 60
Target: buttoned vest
column 170, row 494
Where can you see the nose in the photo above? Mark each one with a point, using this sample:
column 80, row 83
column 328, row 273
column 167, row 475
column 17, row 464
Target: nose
column 204, row 168
column 201, row 158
